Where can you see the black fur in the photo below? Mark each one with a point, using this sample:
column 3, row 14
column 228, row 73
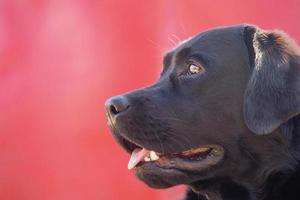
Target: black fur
column 247, row 100
column 273, row 93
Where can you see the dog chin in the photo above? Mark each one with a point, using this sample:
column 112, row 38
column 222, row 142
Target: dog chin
column 156, row 176
column 159, row 178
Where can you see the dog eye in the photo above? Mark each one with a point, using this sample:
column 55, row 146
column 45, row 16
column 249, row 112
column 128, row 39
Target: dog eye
column 194, row 68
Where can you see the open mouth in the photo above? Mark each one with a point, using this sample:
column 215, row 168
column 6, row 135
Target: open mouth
column 196, row 159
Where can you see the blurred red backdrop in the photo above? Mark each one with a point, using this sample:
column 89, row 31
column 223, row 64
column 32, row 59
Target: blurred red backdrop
column 61, row 59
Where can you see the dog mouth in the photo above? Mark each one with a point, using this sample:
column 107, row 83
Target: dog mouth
column 199, row 158
column 196, row 159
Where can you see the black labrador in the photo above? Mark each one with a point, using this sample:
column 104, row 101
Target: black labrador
column 223, row 118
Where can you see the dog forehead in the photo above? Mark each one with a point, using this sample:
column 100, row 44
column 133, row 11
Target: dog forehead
column 230, row 33
column 222, row 38
column 220, row 45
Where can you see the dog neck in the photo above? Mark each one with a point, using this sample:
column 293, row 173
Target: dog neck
column 222, row 189
column 282, row 182
column 285, row 185
column 279, row 186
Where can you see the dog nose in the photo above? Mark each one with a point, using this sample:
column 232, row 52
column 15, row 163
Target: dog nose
column 116, row 105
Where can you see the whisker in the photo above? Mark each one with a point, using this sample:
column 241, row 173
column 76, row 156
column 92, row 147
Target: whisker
column 172, row 41
column 177, row 38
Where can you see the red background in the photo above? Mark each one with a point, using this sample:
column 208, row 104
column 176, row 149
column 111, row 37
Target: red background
column 61, row 59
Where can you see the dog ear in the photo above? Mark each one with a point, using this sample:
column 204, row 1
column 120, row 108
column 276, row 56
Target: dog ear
column 272, row 95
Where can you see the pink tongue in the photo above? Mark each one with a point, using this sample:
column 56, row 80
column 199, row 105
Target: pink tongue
column 137, row 156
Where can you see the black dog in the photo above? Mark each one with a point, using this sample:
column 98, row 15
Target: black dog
column 223, row 118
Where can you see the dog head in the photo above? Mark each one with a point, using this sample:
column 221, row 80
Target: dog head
column 219, row 96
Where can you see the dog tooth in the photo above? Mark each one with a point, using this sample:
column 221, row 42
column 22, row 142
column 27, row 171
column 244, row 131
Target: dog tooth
column 203, row 149
column 214, row 151
column 147, row 159
column 153, row 156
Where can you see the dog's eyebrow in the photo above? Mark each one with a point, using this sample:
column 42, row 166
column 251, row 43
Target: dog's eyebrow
column 200, row 58
column 167, row 60
column 183, row 53
column 186, row 54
